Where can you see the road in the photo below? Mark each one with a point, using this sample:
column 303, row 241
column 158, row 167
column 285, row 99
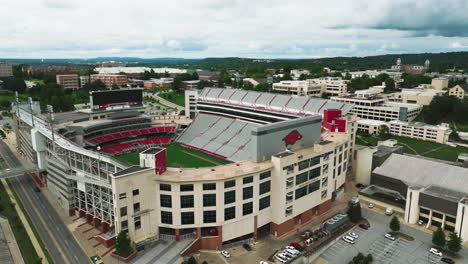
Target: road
column 58, row 240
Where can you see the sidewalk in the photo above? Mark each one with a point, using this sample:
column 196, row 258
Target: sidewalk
column 11, row 241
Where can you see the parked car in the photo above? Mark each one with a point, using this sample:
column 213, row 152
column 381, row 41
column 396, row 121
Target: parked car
column 292, row 251
column 284, row 256
column 390, row 237
column 346, row 239
column 263, row 262
column 435, row 252
column 447, row 260
column 306, row 234
column 420, row 222
column 364, row 226
column 353, row 235
column 371, row 205
column 280, row 258
column 288, row 255
column 389, row 211
column 299, row 248
column 247, row 247
column 225, row 254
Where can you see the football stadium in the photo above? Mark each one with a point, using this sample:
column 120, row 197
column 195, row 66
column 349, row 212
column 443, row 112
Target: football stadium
column 249, row 164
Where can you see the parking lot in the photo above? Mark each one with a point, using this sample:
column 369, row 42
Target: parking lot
column 383, row 250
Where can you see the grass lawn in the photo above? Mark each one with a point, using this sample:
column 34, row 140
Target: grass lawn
column 8, row 211
column 173, row 97
column 179, row 157
column 420, row 147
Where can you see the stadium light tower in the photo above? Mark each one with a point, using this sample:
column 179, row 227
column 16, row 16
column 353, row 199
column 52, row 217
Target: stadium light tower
column 31, row 109
column 50, row 112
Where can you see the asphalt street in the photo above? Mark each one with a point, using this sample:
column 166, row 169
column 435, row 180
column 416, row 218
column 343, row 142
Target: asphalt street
column 385, row 251
column 58, row 240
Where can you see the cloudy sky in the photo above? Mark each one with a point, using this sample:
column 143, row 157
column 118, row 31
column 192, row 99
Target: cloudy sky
column 221, row 28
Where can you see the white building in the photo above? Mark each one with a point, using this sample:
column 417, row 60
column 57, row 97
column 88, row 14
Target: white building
column 304, row 88
column 420, row 96
column 422, row 131
column 296, row 73
column 334, row 86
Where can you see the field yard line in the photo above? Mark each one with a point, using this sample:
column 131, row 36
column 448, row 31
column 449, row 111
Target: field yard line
column 205, row 159
column 412, row 149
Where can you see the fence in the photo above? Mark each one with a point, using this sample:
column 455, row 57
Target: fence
column 187, row 236
column 167, row 237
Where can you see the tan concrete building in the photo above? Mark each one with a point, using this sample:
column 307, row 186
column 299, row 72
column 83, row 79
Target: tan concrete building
column 369, row 126
column 422, row 131
column 420, row 96
column 84, row 80
column 334, row 86
column 68, row 81
column 302, row 88
column 460, row 90
column 440, row 83
column 6, row 69
column 110, row 79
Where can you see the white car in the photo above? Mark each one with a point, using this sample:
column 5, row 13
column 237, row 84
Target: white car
column 292, row 250
column 390, row 237
column 371, row 205
column 263, row 262
column 225, row 254
column 435, row 252
column 280, row 258
column 346, row 239
column 284, row 256
column 353, row 235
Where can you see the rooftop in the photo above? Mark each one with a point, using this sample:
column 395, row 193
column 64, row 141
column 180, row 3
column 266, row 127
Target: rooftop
column 420, row 124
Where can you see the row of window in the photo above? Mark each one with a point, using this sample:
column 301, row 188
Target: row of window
column 310, row 188
column 135, row 192
column 188, row 218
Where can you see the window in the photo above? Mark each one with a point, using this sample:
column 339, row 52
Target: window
column 289, row 182
column 248, row 179
column 301, row 192
column 247, row 193
column 229, row 197
column 188, row 218
column 186, row 187
column 136, row 207
column 186, row 201
column 450, row 219
column 289, row 197
column 314, row 173
column 265, row 187
column 303, row 164
column 289, row 211
column 247, row 208
column 136, row 192
column 123, row 211
column 209, row 217
column 229, row 184
column 325, row 182
column 314, row 186
column 289, row 169
column 264, row 203
column 165, row 187
column 229, row 213
column 166, row 217
column 137, row 222
column 438, row 215
column 166, row 201
column 209, row 199
column 264, row 175
column 324, row 194
column 301, row 178
column 124, row 225
column 122, row 196
column 209, row 186
column 314, row 161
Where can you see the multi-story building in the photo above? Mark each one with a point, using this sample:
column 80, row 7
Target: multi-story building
column 112, row 64
column 69, row 81
column 54, row 69
column 459, row 90
column 302, row 88
column 84, row 80
column 394, row 74
column 6, row 69
column 420, row 96
column 190, row 85
column 422, row 189
column 296, row 73
column 440, row 83
column 376, row 107
column 110, row 79
column 422, row 131
column 334, row 86
column 158, row 83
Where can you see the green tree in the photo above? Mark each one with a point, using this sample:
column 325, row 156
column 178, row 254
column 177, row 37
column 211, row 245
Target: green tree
column 389, row 85
column 122, row 244
column 354, row 212
column 384, row 132
column 115, row 87
column 191, row 260
column 395, row 224
column 454, row 244
column 438, row 237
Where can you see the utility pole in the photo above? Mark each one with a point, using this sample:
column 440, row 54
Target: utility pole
column 50, row 115
column 31, row 109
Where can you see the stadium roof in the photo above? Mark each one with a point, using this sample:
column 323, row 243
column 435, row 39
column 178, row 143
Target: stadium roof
column 272, row 102
column 424, row 172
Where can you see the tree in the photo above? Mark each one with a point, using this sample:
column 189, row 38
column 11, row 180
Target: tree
column 389, row 85
column 384, row 132
column 191, row 260
column 354, row 212
column 361, row 259
column 454, row 243
column 395, row 224
column 438, row 237
column 122, row 244
column 115, row 87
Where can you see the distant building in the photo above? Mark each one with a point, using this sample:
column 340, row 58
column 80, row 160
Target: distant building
column 394, row 74
column 298, row 72
column 460, row 90
column 84, row 80
column 421, row 131
column 334, row 86
column 190, row 85
column 6, row 69
column 302, row 88
column 110, row 79
column 112, row 64
column 68, row 81
column 411, row 68
column 440, row 83
column 420, row 96
column 257, row 81
column 54, row 69
column 158, row 83
column 207, row 75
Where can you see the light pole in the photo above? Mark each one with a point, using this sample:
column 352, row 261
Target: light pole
column 50, row 111
column 31, row 109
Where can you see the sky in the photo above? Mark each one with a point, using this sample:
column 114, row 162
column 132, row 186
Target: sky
column 230, row 28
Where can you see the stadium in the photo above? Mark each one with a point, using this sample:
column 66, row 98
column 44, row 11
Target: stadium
column 248, row 165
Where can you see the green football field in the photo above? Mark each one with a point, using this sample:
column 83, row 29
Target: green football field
column 179, row 157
